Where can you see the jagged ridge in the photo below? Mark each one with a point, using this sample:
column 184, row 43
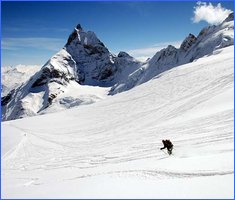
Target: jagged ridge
column 85, row 60
column 208, row 40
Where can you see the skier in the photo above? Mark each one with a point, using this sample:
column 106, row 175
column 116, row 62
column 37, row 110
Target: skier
column 167, row 144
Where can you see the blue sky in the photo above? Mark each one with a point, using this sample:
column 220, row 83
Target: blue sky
column 33, row 31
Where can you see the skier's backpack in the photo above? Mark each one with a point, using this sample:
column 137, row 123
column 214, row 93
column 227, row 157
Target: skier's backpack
column 169, row 143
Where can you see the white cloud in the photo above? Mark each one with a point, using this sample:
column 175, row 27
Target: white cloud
column 52, row 44
column 143, row 54
column 209, row 13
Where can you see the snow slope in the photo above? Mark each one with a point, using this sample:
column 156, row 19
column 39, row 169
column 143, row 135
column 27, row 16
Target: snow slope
column 110, row 149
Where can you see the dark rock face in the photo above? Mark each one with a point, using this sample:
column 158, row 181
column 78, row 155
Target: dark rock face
column 94, row 49
column 230, row 17
column 50, row 98
column 42, row 79
column 106, row 72
column 72, row 36
column 48, row 74
column 79, row 27
column 123, row 54
column 188, row 42
column 94, row 62
column 80, row 77
column 6, row 99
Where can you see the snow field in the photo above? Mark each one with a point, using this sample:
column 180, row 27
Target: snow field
column 111, row 149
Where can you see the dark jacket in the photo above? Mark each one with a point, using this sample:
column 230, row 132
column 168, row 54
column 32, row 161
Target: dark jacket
column 167, row 144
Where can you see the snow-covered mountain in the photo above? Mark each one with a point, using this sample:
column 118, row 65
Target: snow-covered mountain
column 208, row 40
column 111, row 149
column 84, row 61
column 84, row 71
column 13, row 76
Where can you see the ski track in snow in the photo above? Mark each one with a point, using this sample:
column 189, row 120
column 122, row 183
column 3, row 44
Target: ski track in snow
column 57, row 154
column 121, row 135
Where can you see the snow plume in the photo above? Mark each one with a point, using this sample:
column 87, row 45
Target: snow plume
column 209, row 13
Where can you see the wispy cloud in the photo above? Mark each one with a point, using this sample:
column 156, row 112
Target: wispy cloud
column 209, row 13
column 38, row 29
column 147, row 52
column 52, row 44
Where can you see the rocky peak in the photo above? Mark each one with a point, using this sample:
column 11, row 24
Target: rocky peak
column 79, row 27
column 79, row 37
column 188, row 42
column 230, row 17
column 72, row 37
column 170, row 50
column 123, row 54
column 164, row 55
column 170, row 47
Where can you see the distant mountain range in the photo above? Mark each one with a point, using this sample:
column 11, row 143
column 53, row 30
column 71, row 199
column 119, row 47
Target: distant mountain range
column 14, row 76
column 85, row 71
